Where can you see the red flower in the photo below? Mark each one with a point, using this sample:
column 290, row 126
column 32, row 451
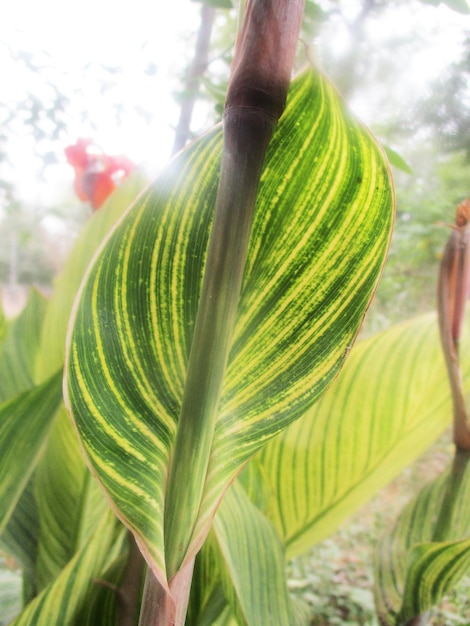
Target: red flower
column 96, row 175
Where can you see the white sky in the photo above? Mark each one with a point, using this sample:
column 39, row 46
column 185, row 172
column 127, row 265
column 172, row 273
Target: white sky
column 127, row 34
column 133, row 34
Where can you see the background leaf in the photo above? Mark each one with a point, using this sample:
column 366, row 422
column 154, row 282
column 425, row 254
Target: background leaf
column 70, row 504
column 320, row 233
column 52, row 347
column 64, row 600
column 253, row 562
column 411, row 573
column 19, row 349
column 389, row 404
column 397, row 160
column 20, row 447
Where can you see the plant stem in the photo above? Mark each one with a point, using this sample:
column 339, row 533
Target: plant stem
column 162, row 609
column 193, row 80
column 454, row 278
column 255, row 100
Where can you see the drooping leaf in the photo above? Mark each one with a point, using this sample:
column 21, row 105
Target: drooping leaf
column 70, row 503
column 207, row 602
column 253, row 571
column 19, row 349
column 20, row 539
column 397, row 160
column 25, row 422
column 64, row 600
column 433, row 571
column 413, row 571
column 52, row 347
column 389, row 404
column 320, row 233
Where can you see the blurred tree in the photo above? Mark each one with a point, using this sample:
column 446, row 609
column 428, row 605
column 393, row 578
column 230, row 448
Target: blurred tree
column 447, row 109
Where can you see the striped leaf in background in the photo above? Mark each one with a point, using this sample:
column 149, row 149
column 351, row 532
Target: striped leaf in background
column 19, row 349
column 413, row 570
column 48, row 519
column 320, row 234
column 391, row 401
column 70, row 504
column 253, row 562
column 65, row 599
column 20, row 448
column 20, row 539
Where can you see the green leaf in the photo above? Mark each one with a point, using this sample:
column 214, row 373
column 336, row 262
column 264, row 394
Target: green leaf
column 19, row 349
column 320, row 234
column 64, row 600
column 24, row 425
column 433, row 571
column 397, row 160
column 70, row 503
column 253, row 562
column 21, row 536
column 52, row 349
column 389, row 404
column 413, row 572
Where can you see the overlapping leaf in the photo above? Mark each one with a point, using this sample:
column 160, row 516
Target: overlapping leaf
column 425, row 554
column 320, row 234
column 253, row 562
column 64, row 600
column 70, row 504
column 18, row 351
column 20, row 448
column 390, row 403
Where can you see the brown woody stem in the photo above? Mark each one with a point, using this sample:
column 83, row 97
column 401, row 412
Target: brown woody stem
column 452, row 295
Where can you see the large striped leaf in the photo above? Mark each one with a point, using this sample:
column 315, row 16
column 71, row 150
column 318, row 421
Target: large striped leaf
column 65, row 599
column 389, row 404
column 426, row 552
column 320, row 234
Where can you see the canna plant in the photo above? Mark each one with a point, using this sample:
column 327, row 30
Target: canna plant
column 212, row 313
column 428, row 551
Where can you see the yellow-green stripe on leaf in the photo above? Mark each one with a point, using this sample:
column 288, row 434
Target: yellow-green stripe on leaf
column 321, row 230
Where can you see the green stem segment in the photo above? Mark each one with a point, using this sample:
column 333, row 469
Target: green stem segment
column 255, row 100
column 246, row 135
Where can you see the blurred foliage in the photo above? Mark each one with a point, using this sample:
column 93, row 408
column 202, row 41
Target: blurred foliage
column 430, row 131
